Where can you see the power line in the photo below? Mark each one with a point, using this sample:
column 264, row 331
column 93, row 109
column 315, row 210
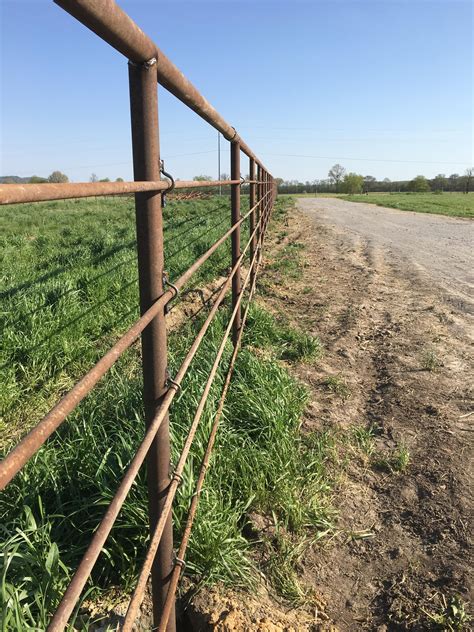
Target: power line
column 427, row 162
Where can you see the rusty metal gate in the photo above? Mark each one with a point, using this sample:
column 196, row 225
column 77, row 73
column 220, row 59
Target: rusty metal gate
column 147, row 66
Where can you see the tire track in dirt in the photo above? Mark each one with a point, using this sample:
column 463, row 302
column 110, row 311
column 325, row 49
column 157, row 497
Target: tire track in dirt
column 405, row 356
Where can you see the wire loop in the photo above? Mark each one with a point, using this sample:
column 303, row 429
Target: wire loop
column 172, row 383
column 177, row 477
column 171, row 185
column 178, row 561
column 167, row 283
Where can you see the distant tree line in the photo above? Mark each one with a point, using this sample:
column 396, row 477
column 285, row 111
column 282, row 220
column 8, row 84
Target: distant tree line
column 55, row 177
column 340, row 181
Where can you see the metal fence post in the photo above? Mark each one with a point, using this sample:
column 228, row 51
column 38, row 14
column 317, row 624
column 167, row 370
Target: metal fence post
column 252, row 223
column 259, row 209
column 235, row 216
column 149, row 225
column 264, row 206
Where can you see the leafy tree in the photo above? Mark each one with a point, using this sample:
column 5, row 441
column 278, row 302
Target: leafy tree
column 453, row 181
column 336, row 173
column 57, row 176
column 202, row 178
column 105, row 180
column 353, row 183
column 369, row 182
column 118, row 179
column 439, row 182
column 467, row 179
column 419, row 184
column 223, row 176
column 37, row 180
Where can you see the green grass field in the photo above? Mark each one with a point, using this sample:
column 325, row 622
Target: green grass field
column 453, row 204
column 70, row 289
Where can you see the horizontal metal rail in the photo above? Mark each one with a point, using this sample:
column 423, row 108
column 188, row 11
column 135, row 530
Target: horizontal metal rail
column 47, row 191
column 31, row 443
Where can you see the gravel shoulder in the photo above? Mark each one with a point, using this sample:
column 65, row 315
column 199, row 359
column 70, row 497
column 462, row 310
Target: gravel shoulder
column 435, row 247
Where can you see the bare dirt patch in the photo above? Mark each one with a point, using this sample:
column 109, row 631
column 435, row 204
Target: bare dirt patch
column 397, row 363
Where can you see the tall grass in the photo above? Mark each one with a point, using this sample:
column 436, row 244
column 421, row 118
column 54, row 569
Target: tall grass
column 260, row 463
column 69, row 287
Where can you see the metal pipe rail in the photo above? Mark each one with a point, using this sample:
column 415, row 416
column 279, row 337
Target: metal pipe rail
column 147, row 66
column 46, row 192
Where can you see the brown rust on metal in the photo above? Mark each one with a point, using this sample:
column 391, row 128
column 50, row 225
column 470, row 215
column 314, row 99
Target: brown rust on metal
column 149, row 65
column 22, row 193
column 252, row 191
column 235, row 239
column 15, row 460
column 150, row 252
column 79, row 580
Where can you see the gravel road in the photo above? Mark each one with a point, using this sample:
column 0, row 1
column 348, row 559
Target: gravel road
column 433, row 246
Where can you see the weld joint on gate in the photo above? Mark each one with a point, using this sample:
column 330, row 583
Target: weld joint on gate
column 146, row 65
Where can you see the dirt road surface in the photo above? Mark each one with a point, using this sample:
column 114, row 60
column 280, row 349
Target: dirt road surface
column 387, row 295
column 437, row 247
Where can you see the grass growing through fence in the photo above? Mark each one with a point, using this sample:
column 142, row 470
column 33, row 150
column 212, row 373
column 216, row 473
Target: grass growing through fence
column 69, row 282
column 70, row 291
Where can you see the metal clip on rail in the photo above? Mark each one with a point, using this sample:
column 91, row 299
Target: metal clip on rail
column 171, row 186
column 170, row 383
column 177, row 477
column 167, row 283
column 178, row 561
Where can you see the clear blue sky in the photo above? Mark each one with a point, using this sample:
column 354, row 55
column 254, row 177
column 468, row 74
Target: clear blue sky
column 306, row 84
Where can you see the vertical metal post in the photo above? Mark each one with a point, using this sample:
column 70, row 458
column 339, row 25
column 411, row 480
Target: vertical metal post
column 252, row 223
column 149, row 225
column 219, row 160
column 265, row 203
column 235, row 216
column 259, row 209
